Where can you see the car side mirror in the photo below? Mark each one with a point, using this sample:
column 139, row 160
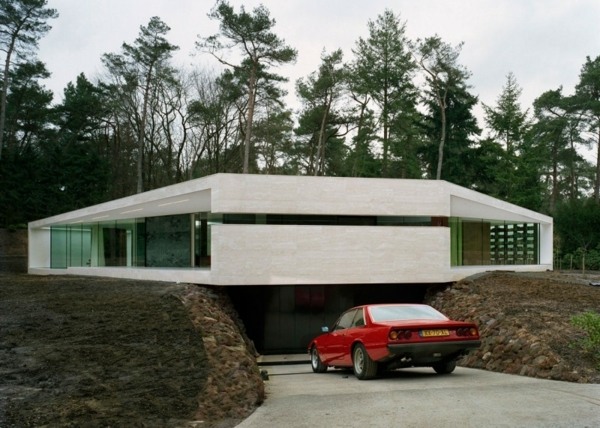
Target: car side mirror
column 324, row 329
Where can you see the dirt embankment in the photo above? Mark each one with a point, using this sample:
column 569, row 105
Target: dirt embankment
column 78, row 351
column 13, row 250
column 525, row 323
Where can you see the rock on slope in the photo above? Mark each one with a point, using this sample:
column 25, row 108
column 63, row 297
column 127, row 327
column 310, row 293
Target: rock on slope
column 524, row 321
column 234, row 386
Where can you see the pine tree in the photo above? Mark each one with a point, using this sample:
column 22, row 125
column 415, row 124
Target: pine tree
column 260, row 48
column 22, row 24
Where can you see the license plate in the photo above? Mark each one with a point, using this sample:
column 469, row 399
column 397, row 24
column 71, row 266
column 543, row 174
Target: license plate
column 434, row 333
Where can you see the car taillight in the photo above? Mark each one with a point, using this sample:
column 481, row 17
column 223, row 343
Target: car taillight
column 400, row 334
column 466, row 331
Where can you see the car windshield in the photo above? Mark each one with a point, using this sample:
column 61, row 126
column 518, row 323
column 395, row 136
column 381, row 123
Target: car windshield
column 404, row 312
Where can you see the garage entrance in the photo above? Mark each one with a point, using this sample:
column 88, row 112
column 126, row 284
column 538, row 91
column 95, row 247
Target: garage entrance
column 283, row 319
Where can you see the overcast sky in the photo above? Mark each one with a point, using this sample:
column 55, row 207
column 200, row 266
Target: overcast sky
column 543, row 42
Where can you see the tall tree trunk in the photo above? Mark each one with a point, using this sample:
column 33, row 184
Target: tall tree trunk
column 597, row 183
column 357, row 148
column 442, row 104
column 386, row 136
column 141, row 133
column 321, row 144
column 249, row 118
column 4, row 95
column 554, row 193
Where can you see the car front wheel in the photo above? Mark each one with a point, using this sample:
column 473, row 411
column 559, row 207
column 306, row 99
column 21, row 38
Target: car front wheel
column 364, row 367
column 315, row 361
column 445, row 367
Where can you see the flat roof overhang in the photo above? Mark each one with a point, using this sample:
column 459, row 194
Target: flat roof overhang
column 240, row 193
column 149, row 204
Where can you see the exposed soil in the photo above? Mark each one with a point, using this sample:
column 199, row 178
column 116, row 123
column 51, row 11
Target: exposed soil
column 78, row 351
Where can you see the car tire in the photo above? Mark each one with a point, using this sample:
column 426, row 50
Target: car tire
column 446, row 367
column 364, row 367
column 315, row 361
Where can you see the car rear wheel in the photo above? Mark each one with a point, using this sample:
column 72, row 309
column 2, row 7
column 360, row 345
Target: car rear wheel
column 446, row 367
column 364, row 367
column 315, row 361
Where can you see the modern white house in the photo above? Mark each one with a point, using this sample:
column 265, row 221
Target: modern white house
column 297, row 236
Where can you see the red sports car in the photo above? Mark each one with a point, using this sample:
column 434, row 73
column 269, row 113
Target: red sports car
column 372, row 338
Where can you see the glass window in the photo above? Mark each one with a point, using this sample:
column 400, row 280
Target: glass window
column 486, row 242
column 404, row 312
column 239, row 218
column 359, row 318
column 345, row 321
column 80, row 245
column 404, row 221
column 169, row 241
column 202, row 227
column 58, row 247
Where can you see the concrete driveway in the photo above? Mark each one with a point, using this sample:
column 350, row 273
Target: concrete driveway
column 296, row 397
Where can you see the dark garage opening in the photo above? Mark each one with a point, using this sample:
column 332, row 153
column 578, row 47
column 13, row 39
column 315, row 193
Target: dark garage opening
column 283, row 319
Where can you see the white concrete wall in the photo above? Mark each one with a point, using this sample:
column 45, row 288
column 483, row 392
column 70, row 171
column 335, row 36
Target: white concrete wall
column 38, row 243
column 269, row 254
column 262, row 194
column 547, row 245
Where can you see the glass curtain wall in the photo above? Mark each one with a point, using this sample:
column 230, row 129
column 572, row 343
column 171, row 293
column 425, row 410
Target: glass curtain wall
column 487, row 242
column 203, row 223
column 185, row 240
column 169, row 241
column 117, row 243
column 70, row 246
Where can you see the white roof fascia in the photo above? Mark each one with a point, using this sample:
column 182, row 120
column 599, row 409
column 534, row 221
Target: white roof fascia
column 468, row 203
column 187, row 197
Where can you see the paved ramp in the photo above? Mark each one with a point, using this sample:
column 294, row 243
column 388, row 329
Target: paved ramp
column 296, row 397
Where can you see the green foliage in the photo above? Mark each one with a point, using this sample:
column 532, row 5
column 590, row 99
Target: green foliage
column 577, row 222
column 514, row 160
column 383, row 71
column 587, row 102
column 22, row 24
column 260, row 49
column 446, row 88
column 590, row 323
column 459, row 127
column 506, row 120
column 321, row 119
column 137, row 73
column 579, row 260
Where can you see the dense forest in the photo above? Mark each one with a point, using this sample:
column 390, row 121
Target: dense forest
column 392, row 107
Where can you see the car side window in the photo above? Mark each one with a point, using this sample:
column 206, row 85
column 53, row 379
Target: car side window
column 359, row 319
column 345, row 321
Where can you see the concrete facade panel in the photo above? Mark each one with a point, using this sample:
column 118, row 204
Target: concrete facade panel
column 329, row 195
column 269, row 254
